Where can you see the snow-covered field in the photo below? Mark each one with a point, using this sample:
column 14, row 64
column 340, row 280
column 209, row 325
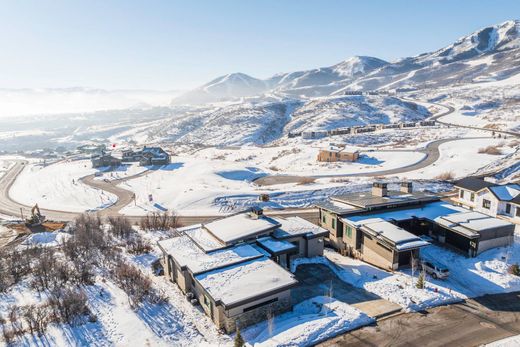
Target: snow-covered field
column 462, row 158
column 57, row 186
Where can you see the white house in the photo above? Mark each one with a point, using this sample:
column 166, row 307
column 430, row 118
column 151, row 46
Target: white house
column 493, row 199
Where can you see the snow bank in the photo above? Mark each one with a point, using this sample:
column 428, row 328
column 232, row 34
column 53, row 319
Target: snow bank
column 46, row 239
column 310, row 322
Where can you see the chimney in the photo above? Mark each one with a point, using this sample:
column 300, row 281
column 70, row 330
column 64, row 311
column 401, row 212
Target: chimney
column 406, row 187
column 379, row 189
column 256, row 212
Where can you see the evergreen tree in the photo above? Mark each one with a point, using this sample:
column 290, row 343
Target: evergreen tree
column 239, row 341
column 420, row 281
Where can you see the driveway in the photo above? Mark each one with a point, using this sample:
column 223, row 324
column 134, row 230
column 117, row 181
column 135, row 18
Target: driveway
column 320, row 280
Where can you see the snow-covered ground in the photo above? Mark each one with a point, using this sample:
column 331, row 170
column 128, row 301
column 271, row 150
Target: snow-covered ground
column 469, row 277
column 462, row 158
column 57, row 186
column 512, row 341
column 310, row 322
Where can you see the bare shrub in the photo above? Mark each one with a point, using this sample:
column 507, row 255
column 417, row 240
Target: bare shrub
column 120, row 227
column 306, row 180
column 36, row 318
column 137, row 245
column 340, row 180
column 159, row 221
column 493, row 150
column 445, row 176
column 514, row 269
column 273, row 168
column 69, row 306
column 133, row 282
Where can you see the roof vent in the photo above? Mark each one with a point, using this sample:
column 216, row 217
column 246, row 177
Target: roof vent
column 379, row 189
column 256, row 212
column 406, row 187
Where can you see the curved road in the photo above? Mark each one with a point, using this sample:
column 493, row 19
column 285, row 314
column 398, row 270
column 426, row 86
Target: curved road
column 431, row 152
column 9, row 207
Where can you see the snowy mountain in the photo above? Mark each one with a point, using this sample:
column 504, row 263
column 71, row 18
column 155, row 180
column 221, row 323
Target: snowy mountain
column 491, row 53
column 223, row 88
column 258, row 123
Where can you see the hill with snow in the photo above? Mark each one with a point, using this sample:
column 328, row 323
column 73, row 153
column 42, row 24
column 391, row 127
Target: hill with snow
column 488, row 54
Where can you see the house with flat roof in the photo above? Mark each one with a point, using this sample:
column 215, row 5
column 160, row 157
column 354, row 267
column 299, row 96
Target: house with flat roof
column 236, row 267
column 337, row 153
column 496, row 200
column 385, row 228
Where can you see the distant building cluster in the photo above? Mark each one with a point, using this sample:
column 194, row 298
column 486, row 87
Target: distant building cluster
column 145, row 157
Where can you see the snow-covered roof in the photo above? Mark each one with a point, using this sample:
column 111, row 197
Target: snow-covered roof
column 187, row 254
column 337, row 149
column 240, row 226
column 297, row 226
column 275, row 246
column 471, row 223
column 428, row 211
column 247, row 280
column 506, row 192
column 201, row 237
column 336, row 206
column 402, row 239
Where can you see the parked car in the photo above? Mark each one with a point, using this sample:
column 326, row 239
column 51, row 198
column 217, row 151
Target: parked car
column 435, row 270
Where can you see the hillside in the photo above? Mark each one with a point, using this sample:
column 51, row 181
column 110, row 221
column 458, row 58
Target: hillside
column 491, row 53
column 345, row 111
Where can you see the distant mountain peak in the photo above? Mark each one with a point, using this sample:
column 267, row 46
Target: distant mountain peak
column 358, row 64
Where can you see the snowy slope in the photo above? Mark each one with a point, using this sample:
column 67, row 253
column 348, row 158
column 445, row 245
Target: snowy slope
column 225, row 87
column 491, row 53
column 345, row 111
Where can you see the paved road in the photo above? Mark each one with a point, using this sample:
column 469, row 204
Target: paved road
column 450, row 109
column 473, row 323
column 431, row 152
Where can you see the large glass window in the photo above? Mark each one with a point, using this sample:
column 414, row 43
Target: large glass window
column 472, row 197
column 348, row 230
column 461, row 194
column 486, row 204
column 508, row 208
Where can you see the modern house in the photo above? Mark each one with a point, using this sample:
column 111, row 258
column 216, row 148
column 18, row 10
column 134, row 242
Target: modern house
column 337, row 153
column 383, row 227
column 104, row 160
column 502, row 201
column 237, row 267
column 147, row 156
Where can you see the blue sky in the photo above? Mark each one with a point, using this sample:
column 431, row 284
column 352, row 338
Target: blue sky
column 181, row 44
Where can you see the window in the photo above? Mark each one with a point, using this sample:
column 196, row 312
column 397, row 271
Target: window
column 508, row 208
column 323, row 219
column 333, row 223
column 260, row 304
column 472, row 197
column 518, row 211
column 461, row 194
column 339, row 232
column 348, row 229
column 486, row 204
